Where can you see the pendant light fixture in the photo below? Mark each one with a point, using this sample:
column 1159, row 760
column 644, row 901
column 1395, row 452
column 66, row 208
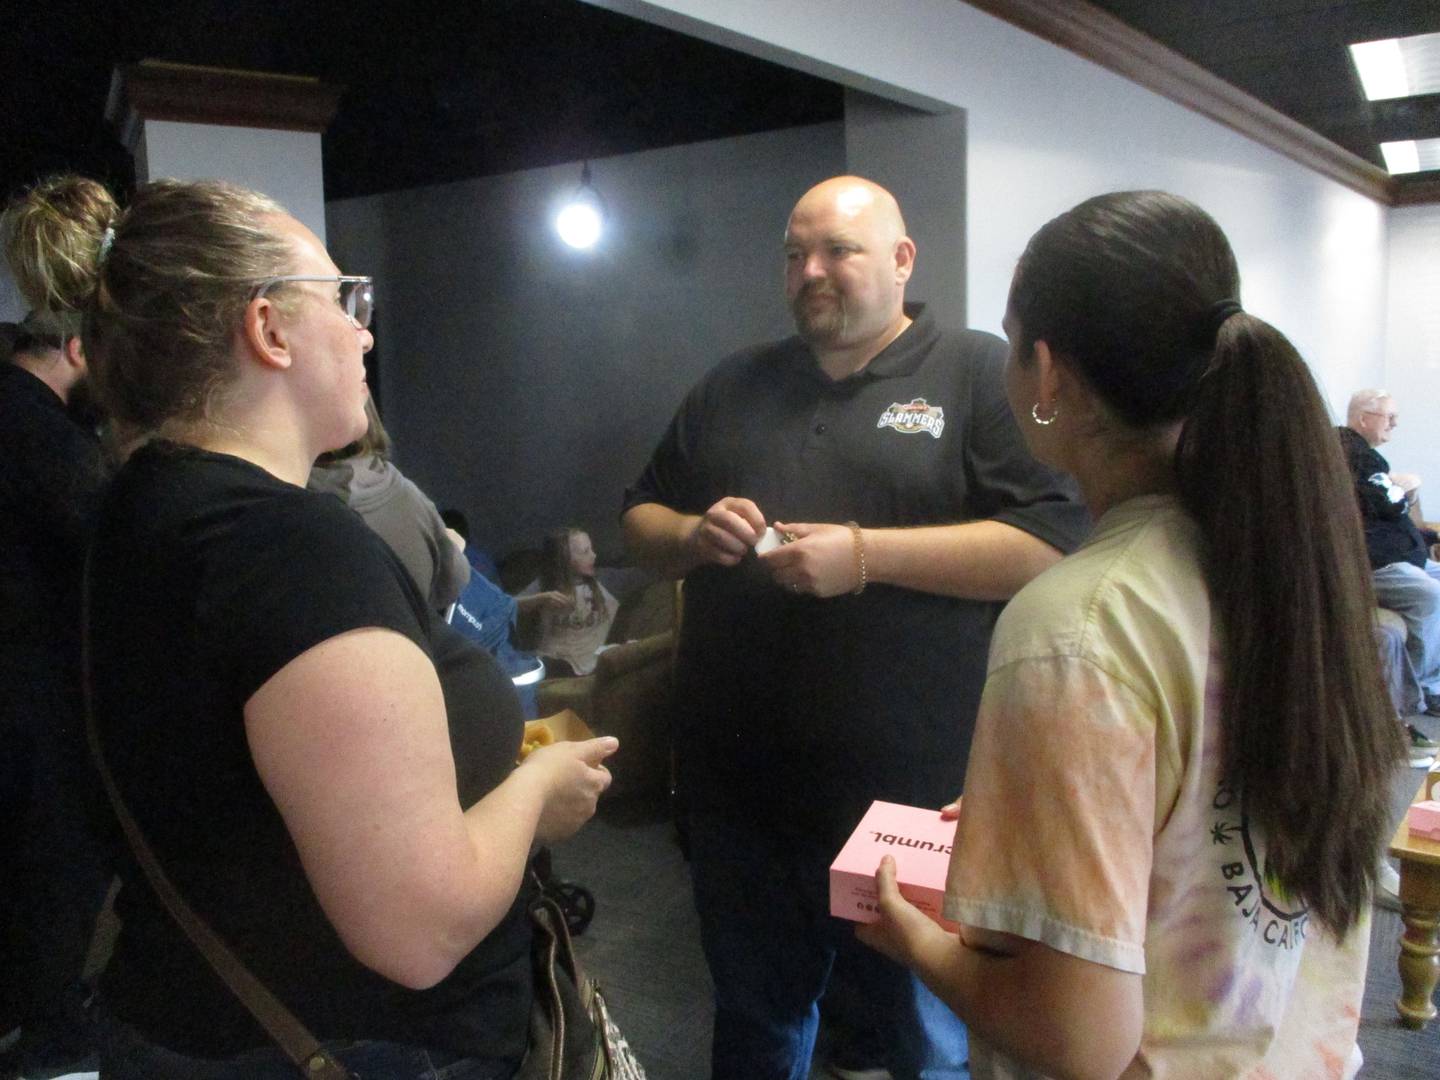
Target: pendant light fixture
column 581, row 221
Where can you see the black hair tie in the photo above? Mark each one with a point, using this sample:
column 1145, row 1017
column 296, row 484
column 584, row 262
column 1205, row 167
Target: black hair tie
column 1207, row 329
column 1217, row 314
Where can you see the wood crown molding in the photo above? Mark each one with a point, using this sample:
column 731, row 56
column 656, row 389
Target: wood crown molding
column 1417, row 192
column 1101, row 38
column 156, row 90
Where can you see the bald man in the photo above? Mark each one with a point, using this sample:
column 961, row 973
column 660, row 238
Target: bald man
column 846, row 665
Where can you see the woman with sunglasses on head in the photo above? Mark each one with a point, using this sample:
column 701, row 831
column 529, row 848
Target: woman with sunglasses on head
column 1177, row 791
column 325, row 773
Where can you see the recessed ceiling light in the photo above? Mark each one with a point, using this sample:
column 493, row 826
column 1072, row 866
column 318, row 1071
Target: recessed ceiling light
column 1401, row 157
column 1412, row 155
column 1398, row 67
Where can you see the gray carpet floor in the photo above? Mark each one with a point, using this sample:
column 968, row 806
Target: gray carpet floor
column 644, row 947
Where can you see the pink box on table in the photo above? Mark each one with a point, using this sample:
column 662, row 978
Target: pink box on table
column 921, row 844
column 1424, row 819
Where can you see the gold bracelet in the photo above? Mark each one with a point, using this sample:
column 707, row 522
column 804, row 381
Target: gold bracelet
column 859, row 557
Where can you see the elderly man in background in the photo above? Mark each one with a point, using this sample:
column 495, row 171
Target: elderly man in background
column 1407, row 580
column 846, row 665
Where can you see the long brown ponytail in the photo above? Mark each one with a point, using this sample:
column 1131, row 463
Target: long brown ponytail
column 1140, row 290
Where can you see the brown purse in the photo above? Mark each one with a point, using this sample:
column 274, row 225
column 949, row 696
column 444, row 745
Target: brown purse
column 571, row 1034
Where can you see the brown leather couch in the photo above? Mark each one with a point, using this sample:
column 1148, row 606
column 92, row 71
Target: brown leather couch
column 630, row 693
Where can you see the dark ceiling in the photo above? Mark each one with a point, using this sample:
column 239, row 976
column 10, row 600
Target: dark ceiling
column 1293, row 56
column 440, row 91
column 434, row 91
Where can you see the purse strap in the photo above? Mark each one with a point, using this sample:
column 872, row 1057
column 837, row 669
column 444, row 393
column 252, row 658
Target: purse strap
column 279, row 1023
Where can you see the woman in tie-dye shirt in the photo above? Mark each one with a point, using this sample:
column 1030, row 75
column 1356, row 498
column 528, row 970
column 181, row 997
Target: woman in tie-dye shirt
column 1176, row 795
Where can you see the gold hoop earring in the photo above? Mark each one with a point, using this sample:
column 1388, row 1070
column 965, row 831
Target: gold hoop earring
column 1035, row 415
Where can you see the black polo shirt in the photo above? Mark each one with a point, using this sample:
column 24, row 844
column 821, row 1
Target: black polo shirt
column 801, row 710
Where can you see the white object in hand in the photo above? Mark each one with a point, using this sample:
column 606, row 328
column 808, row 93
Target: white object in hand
column 769, row 541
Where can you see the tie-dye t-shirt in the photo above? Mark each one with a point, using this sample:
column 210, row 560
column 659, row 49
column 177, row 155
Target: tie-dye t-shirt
column 1094, row 819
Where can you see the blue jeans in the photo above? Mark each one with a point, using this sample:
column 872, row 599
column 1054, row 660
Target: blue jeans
column 1414, row 594
column 125, row 1054
column 1399, row 672
column 763, row 901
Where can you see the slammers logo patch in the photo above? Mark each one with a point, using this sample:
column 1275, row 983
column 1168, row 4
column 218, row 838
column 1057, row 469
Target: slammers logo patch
column 914, row 418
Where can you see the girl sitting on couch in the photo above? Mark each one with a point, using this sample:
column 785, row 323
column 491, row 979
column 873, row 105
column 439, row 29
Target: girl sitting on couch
column 575, row 624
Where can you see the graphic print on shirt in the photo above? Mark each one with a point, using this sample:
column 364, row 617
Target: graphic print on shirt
column 914, row 418
column 1257, row 897
column 583, row 616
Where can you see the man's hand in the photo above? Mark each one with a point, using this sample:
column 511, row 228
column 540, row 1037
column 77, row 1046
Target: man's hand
column 820, row 560
column 726, row 531
column 902, row 927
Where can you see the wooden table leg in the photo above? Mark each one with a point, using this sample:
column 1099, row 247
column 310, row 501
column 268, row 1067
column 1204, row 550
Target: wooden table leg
column 1420, row 944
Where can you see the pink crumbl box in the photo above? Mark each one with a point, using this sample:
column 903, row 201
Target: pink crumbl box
column 920, row 843
column 1423, row 819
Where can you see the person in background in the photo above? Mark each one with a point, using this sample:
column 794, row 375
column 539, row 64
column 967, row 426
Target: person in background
column 324, row 771
column 364, row 477
column 54, row 865
column 487, row 615
column 1404, row 690
column 1406, row 579
column 575, row 609
column 1179, row 782
column 480, row 560
column 1403, row 575
column 845, row 666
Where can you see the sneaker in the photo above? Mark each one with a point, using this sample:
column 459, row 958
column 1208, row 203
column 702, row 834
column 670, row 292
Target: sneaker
column 1387, row 887
column 1418, row 740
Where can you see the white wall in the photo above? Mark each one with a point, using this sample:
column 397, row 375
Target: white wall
column 1412, row 347
column 1047, row 129
column 920, row 157
column 526, row 383
column 285, row 165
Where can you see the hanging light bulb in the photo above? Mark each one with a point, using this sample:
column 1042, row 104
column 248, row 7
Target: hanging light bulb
column 582, row 219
